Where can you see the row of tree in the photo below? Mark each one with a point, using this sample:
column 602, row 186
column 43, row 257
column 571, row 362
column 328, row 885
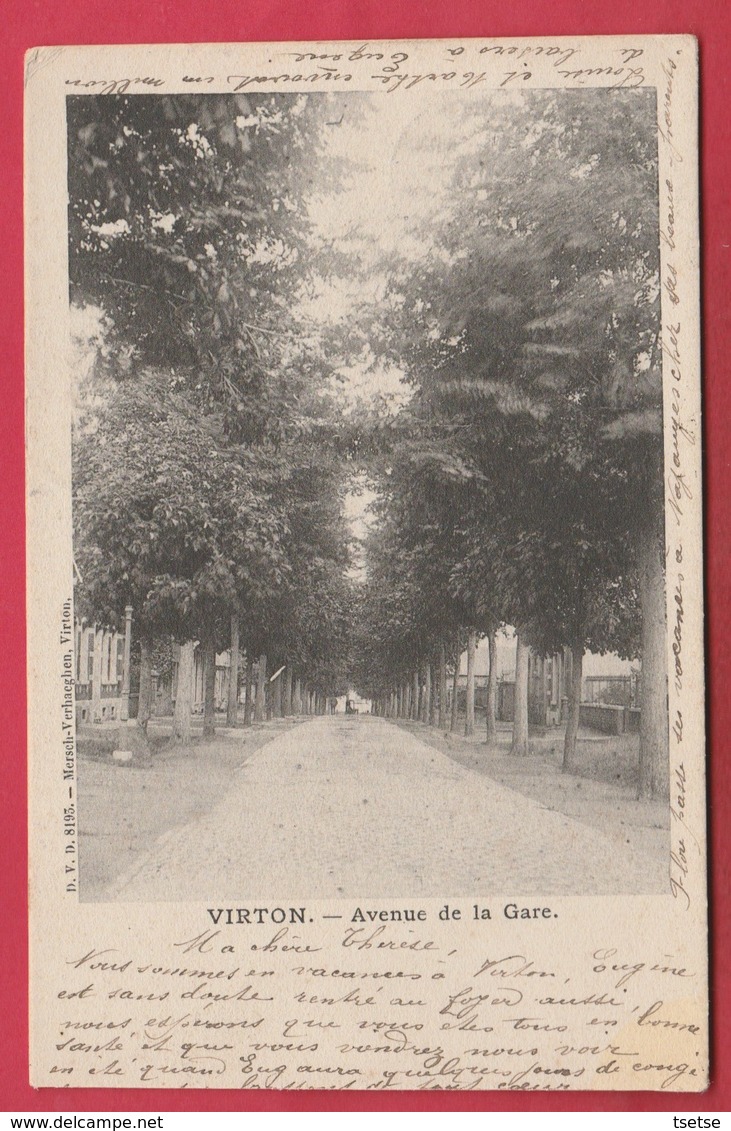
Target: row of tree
column 208, row 483
column 519, row 484
column 522, row 484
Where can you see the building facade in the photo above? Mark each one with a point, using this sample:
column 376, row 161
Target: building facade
column 102, row 672
column 610, row 692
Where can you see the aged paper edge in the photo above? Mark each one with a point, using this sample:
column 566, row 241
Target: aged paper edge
column 47, row 491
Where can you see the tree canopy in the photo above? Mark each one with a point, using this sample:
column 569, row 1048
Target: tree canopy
column 517, row 474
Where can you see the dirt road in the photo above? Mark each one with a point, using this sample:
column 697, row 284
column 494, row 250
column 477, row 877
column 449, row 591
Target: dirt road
column 357, row 807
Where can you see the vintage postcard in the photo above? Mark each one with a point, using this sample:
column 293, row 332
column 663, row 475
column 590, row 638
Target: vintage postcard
column 365, row 570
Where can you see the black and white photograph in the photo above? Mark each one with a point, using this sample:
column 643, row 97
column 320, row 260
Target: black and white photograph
column 369, row 591
column 365, row 609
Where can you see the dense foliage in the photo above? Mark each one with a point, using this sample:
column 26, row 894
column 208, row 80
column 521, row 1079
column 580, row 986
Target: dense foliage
column 518, row 481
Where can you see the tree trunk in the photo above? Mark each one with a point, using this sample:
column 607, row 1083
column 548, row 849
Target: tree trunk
column 425, row 695
column 287, row 676
column 261, row 683
column 277, row 697
column 247, row 695
column 297, row 704
column 469, row 722
column 209, row 688
column 144, row 709
column 97, row 678
column 415, row 696
column 654, row 738
column 491, row 728
column 184, row 694
column 442, row 721
column 572, row 722
column 519, row 744
column 430, row 699
column 232, row 708
column 455, row 684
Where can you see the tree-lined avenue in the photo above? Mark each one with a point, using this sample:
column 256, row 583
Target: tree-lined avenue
column 478, row 351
